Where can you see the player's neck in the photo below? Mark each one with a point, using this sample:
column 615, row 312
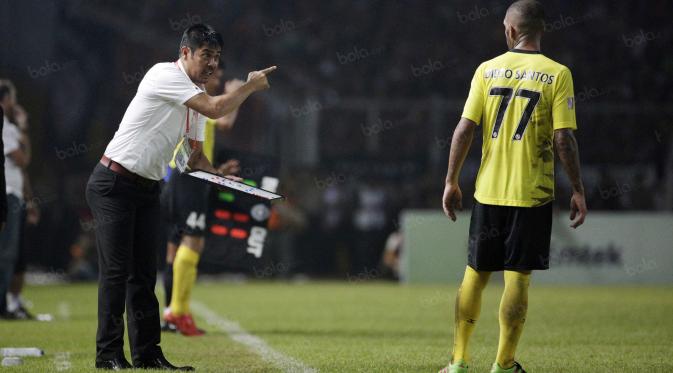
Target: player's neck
column 528, row 45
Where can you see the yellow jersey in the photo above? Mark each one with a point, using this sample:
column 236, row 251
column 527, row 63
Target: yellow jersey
column 520, row 97
column 208, row 143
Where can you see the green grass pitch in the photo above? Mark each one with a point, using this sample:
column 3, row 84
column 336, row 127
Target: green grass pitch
column 372, row 327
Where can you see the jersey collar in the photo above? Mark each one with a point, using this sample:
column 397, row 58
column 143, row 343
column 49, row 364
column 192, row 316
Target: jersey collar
column 515, row 50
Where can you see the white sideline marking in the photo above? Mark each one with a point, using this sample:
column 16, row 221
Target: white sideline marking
column 286, row 363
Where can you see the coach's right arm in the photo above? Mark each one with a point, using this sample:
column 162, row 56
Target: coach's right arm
column 218, row 106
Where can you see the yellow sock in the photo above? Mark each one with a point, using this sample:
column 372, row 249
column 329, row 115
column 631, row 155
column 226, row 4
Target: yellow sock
column 184, row 277
column 512, row 315
column 468, row 306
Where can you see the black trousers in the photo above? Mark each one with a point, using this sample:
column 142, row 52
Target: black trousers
column 127, row 222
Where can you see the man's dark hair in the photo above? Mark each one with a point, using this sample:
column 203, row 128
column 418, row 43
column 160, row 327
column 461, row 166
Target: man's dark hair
column 529, row 16
column 199, row 35
column 6, row 89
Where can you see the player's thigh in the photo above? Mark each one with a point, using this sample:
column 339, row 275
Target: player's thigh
column 528, row 242
column 488, row 231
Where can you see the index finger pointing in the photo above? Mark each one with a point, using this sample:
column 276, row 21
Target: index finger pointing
column 269, row 70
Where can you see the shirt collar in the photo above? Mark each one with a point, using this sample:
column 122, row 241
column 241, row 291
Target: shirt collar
column 515, row 50
column 182, row 68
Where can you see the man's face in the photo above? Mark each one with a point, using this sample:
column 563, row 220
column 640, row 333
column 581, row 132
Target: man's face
column 201, row 64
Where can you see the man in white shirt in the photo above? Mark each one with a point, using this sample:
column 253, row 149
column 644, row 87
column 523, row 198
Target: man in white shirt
column 123, row 191
column 15, row 160
column 3, row 191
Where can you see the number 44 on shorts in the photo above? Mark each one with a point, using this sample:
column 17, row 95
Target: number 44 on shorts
column 196, row 220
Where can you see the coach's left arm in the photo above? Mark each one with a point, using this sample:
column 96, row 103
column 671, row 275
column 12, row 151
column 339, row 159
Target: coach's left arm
column 199, row 161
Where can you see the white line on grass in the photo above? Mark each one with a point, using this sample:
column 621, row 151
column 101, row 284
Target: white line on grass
column 286, row 363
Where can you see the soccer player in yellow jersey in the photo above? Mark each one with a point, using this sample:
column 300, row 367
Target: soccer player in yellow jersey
column 185, row 206
column 525, row 104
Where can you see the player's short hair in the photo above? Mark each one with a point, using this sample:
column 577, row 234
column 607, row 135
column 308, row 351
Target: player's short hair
column 529, row 15
column 199, row 35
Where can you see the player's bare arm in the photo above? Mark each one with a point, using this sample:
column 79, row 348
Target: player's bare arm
column 460, row 146
column 230, row 167
column 219, row 106
column 566, row 147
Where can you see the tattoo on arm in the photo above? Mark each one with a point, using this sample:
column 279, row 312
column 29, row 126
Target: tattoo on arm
column 566, row 147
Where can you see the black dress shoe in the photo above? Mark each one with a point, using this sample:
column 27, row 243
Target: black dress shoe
column 159, row 362
column 114, row 364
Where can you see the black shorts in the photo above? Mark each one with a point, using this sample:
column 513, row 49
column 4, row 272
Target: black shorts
column 509, row 238
column 184, row 202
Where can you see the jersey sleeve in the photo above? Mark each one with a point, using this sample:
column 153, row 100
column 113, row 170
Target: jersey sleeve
column 474, row 105
column 169, row 83
column 563, row 106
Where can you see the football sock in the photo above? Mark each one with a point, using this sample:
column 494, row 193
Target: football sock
column 184, row 277
column 168, row 283
column 512, row 315
column 468, row 306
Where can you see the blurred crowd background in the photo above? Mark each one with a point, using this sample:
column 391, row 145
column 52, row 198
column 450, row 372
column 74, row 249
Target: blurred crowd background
column 360, row 113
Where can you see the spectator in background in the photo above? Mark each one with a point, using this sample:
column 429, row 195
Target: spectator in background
column 3, row 191
column 16, row 306
column 369, row 220
column 392, row 252
column 15, row 160
column 334, row 226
